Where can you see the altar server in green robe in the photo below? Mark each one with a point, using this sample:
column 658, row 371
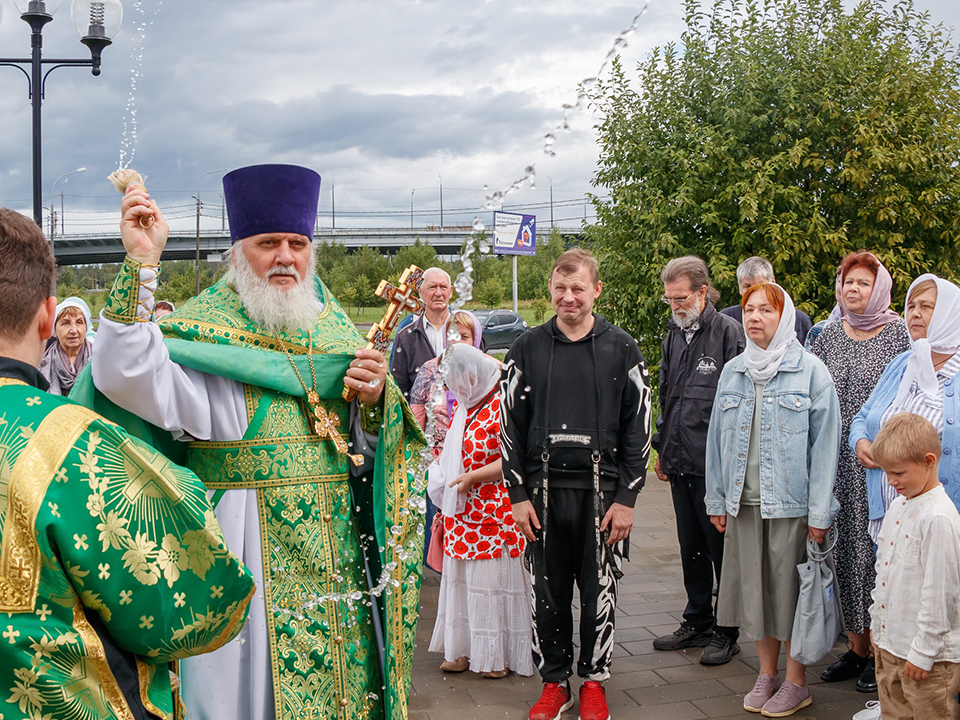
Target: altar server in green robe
column 248, row 378
column 112, row 564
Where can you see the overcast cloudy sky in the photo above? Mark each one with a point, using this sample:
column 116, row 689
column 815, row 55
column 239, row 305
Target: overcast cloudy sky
column 382, row 97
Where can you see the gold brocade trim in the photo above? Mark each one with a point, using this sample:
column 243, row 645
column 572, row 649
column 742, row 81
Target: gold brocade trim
column 228, row 631
column 247, row 459
column 124, row 298
column 98, row 656
column 339, row 662
column 10, row 381
column 145, row 674
column 31, row 476
column 268, row 602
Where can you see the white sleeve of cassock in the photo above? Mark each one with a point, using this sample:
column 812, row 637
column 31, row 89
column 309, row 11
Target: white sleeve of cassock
column 132, row 367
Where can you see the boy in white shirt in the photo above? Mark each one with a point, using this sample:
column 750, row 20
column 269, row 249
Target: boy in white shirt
column 916, row 607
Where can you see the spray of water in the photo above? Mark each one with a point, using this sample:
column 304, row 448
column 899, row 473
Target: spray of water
column 128, row 142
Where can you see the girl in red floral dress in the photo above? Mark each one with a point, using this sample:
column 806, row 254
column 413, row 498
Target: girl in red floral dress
column 483, row 616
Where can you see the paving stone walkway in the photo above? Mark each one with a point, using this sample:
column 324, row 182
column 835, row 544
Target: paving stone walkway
column 645, row 684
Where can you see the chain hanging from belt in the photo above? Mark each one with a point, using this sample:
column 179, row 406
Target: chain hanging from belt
column 326, row 424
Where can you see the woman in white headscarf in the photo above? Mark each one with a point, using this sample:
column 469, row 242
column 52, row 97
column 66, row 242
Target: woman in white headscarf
column 69, row 352
column 483, row 615
column 922, row 381
column 772, row 449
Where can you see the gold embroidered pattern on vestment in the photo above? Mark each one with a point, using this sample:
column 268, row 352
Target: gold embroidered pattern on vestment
column 29, row 479
column 103, row 679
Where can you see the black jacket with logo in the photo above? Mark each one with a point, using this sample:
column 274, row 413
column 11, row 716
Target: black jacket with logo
column 560, row 395
column 688, row 384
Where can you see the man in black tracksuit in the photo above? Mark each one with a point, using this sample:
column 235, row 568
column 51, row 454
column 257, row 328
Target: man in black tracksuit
column 575, row 443
column 699, row 342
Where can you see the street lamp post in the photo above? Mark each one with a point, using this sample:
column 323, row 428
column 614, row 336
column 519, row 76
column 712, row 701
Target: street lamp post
column 551, row 201
column 53, row 194
column 97, row 21
column 197, row 265
column 441, row 200
column 411, row 208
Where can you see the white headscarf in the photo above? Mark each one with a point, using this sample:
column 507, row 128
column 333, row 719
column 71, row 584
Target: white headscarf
column 764, row 364
column 470, row 375
column 943, row 336
column 76, row 303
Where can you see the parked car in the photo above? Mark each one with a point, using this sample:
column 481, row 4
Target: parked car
column 500, row 328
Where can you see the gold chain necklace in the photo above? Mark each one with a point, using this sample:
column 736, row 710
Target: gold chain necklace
column 325, row 424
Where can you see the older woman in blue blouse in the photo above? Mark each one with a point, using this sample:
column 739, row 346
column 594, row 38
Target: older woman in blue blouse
column 922, row 381
column 772, row 450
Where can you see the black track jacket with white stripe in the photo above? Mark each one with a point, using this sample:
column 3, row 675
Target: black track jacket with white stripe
column 553, row 392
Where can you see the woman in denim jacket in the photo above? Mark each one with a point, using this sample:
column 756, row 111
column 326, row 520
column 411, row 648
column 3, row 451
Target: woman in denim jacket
column 772, row 452
column 922, row 381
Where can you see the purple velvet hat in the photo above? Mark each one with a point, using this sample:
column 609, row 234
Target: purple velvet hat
column 271, row 199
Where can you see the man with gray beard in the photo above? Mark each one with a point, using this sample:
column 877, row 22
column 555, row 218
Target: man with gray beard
column 698, row 344
column 316, row 494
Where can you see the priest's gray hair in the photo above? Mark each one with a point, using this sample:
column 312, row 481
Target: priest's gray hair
column 276, row 309
column 755, row 268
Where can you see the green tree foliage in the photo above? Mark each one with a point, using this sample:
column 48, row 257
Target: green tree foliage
column 420, row 254
column 797, row 130
column 489, row 293
column 540, row 307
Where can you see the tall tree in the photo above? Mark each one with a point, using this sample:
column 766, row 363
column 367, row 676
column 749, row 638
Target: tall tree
column 797, row 130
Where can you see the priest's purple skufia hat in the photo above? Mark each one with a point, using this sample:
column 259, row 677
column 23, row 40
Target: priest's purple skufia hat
column 271, row 199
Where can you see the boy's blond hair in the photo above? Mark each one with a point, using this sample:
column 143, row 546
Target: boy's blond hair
column 906, row 437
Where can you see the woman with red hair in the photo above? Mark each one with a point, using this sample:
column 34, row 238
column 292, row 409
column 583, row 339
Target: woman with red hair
column 771, row 463
column 856, row 351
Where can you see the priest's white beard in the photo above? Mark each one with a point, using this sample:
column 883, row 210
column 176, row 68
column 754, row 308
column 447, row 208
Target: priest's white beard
column 272, row 307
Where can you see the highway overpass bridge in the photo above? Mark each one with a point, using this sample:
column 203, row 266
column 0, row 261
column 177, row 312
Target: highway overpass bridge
column 88, row 249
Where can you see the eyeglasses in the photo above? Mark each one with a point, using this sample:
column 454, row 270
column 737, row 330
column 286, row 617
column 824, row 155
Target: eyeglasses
column 678, row 301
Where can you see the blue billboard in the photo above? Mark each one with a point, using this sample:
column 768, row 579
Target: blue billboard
column 514, row 234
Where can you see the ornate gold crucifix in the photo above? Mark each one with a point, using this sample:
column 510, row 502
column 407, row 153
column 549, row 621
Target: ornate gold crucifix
column 327, row 424
column 402, row 298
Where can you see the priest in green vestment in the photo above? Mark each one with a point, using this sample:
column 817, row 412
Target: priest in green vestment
column 319, row 496
column 112, row 564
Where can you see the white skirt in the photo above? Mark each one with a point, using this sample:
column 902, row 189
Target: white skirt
column 484, row 613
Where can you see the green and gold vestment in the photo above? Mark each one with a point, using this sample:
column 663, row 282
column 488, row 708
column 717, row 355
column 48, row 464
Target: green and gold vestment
column 324, row 654
column 95, row 522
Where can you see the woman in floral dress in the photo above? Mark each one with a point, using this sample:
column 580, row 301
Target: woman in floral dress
column 483, row 615
column 857, row 351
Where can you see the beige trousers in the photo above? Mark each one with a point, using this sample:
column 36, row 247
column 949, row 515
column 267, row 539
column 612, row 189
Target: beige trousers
column 902, row 698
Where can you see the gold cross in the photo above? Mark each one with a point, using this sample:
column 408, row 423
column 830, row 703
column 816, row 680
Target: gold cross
column 21, row 569
column 149, row 475
column 84, row 682
column 11, row 634
column 327, row 425
column 400, row 298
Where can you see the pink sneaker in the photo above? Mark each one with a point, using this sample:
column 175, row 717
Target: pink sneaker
column 764, row 688
column 787, row 701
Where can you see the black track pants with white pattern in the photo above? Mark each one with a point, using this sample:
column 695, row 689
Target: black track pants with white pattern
column 570, row 557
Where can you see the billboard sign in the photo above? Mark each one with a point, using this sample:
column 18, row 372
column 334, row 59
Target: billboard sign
column 514, row 234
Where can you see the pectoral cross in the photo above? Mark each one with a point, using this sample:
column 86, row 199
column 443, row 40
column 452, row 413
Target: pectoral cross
column 327, row 425
column 402, row 298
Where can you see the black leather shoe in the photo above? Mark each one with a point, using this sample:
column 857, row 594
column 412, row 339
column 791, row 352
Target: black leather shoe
column 683, row 637
column 868, row 678
column 720, row 650
column 850, row 665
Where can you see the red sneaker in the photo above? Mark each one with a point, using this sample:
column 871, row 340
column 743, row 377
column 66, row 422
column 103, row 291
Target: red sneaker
column 554, row 699
column 593, row 702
